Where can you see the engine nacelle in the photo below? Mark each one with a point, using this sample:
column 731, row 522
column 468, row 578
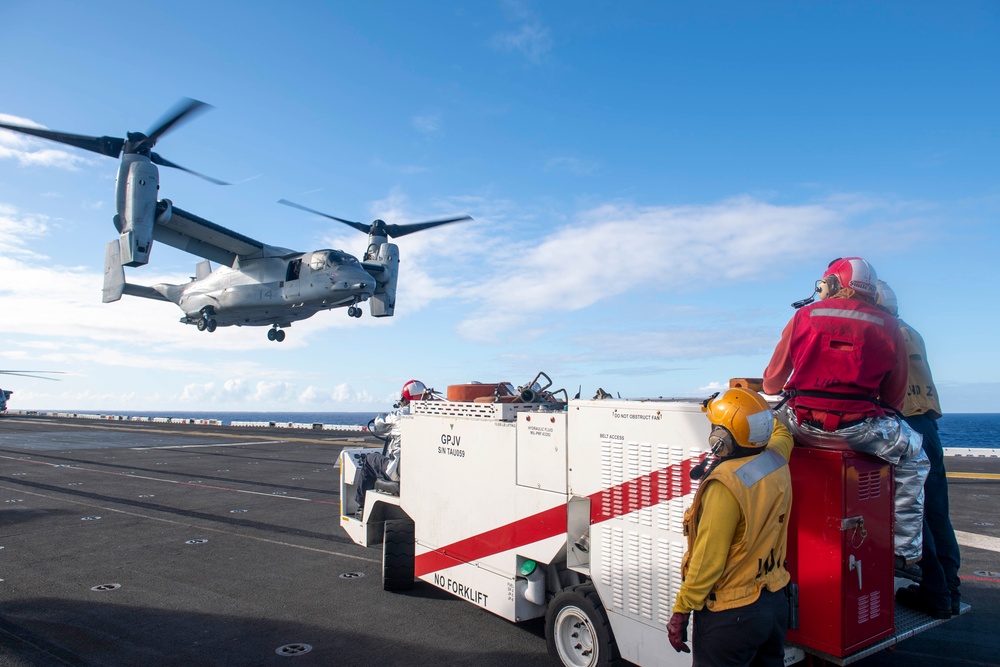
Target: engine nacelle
column 137, row 210
column 383, row 302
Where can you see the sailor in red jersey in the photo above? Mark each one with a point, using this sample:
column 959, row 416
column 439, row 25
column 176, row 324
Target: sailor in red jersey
column 842, row 364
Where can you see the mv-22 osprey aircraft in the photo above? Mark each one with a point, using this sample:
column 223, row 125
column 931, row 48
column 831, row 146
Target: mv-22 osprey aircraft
column 256, row 284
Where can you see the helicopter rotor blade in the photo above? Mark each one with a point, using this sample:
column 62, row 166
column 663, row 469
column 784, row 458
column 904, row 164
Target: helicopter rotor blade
column 361, row 227
column 396, row 231
column 29, row 374
column 156, row 158
column 110, row 146
column 136, row 142
column 183, row 110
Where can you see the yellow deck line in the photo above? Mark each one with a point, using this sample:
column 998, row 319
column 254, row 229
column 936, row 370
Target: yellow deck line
column 974, row 475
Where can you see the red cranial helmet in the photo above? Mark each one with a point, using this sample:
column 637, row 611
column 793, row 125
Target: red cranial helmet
column 850, row 272
column 412, row 391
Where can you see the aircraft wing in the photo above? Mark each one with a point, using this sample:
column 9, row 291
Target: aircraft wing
column 198, row 236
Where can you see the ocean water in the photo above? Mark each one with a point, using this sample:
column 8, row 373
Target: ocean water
column 957, row 430
column 970, row 430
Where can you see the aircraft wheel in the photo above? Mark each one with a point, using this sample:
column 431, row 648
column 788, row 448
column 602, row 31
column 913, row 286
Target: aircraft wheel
column 351, row 311
column 357, row 312
column 577, row 629
column 202, row 324
column 398, row 549
column 271, row 334
column 212, row 324
column 279, row 335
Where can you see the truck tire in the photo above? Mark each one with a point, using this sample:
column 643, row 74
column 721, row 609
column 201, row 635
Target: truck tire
column 397, row 555
column 577, row 629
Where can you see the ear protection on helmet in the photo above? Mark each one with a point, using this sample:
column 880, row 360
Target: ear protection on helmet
column 721, row 441
column 827, row 286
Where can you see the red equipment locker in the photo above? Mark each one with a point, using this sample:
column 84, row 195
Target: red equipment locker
column 840, row 549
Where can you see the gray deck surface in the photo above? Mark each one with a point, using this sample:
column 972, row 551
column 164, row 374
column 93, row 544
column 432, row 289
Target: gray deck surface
column 225, row 547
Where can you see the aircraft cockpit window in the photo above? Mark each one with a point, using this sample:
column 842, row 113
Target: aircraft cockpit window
column 318, row 262
column 340, row 257
column 330, row 258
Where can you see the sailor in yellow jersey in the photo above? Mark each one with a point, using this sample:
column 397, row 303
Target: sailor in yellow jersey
column 734, row 576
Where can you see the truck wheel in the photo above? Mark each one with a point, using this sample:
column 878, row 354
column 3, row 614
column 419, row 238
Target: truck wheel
column 397, row 555
column 577, row 629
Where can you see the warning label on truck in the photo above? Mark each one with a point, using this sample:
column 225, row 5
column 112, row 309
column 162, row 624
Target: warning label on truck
column 644, row 416
column 461, row 590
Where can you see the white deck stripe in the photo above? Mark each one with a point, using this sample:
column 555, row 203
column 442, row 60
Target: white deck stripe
column 978, row 541
column 227, row 444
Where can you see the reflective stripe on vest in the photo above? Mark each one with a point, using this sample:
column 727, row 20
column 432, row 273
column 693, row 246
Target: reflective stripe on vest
column 850, row 314
column 760, row 467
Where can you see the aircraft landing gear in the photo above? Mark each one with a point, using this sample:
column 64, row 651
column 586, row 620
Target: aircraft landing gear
column 207, row 324
column 354, row 311
column 274, row 333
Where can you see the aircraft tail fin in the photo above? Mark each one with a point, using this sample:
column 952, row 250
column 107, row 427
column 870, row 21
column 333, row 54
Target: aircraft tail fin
column 114, row 278
column 114, row 273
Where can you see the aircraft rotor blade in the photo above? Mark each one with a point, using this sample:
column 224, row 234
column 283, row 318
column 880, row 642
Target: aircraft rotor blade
column 182, row 111
column 396, row 231
column 30, row 374
column 110, row 146
column 156, row 158
column 361, row 227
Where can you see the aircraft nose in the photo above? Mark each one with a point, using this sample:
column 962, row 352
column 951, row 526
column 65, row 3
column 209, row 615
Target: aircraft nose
column 355, row 279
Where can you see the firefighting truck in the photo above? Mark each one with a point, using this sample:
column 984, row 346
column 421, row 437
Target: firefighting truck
column 528, row 506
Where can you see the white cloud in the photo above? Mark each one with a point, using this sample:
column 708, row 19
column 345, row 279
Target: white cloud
column 619, row 249
column 18, row 229
column 33, row 151
column 530, row 37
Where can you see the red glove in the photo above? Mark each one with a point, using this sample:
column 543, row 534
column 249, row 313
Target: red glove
column 677, row 632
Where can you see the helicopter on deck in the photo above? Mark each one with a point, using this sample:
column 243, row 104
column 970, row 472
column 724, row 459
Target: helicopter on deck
column 255, row 284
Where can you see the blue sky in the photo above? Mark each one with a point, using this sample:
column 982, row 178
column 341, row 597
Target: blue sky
column 652, row 185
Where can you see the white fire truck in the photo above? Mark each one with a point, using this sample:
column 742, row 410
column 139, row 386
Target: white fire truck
column 573, row 511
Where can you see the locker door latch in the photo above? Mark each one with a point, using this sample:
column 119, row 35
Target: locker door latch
column 855, row 524
column 855, row 564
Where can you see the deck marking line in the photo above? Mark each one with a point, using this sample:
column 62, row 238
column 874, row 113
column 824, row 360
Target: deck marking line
column 220, row 444
column 974, row 475
column 191, row 525
column 139, row 429
column 174, row 481
column 978, row 541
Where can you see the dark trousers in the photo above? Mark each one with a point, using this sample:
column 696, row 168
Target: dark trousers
column 753, row 635
column 941, row 557
column 364, row 479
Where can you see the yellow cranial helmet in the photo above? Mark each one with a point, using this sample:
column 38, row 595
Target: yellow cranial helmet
column 740, row 417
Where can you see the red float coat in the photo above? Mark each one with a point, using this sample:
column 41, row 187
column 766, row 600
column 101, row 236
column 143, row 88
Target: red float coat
column 843, row 346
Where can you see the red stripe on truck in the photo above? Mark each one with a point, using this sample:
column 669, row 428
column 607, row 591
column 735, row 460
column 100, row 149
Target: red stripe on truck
column 645, row 491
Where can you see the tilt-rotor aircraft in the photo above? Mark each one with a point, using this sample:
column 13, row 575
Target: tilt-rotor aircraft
column 256, row 284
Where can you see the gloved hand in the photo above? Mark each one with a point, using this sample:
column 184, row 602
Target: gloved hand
column 677, row 632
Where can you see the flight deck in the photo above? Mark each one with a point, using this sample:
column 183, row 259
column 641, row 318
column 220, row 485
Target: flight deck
column 128, row 543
